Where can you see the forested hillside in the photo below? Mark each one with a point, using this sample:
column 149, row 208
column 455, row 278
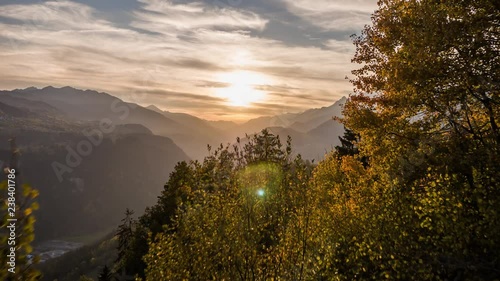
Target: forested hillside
column 68, row 163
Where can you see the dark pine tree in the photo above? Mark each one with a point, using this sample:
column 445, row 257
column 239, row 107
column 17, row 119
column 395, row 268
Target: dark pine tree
column 348, row 146
column 105, row 274
column 125, row 235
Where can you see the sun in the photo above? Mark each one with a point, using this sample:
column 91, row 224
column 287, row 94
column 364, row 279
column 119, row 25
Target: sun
column 241, row 91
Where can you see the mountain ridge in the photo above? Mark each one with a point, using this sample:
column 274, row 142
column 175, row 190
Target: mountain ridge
column 191, row 133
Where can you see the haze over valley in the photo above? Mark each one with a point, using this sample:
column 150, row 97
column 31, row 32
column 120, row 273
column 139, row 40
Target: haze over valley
column 69, row 136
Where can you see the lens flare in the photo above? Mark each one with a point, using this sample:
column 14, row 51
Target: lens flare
column 261, row 180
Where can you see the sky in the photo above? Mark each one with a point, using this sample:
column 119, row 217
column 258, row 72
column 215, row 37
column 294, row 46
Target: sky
column 216, row 59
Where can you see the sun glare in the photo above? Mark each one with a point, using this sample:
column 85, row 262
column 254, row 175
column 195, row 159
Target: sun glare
column 241, row 89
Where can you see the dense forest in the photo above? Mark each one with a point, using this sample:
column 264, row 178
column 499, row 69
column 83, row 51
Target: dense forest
column 412, row 192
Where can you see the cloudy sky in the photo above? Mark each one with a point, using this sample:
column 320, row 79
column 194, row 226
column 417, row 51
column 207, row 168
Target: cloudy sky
column 217, row 59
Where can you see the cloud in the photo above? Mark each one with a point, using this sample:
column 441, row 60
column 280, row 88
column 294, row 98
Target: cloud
column 55, row 15
column 336, row 15
column 302, row 97
column 169, row 53
column 345, row 47
column 183, row 96
column 212, row 84
column 161, row 16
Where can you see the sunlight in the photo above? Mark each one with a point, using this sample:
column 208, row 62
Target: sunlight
column 241, row 90
column 241, row 58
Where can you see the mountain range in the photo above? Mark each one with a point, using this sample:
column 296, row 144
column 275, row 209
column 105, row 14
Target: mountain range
column 91, row 154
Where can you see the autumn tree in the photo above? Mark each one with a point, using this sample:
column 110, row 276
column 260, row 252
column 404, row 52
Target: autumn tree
column 429, row 83
column 426, row 106
column 250, row 217
column 266, row 147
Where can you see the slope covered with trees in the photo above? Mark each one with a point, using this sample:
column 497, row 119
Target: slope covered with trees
column 416, row 196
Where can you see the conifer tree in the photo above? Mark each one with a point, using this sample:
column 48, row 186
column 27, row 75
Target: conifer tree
column 105, row 274
column 125, row 234
column 349, row 146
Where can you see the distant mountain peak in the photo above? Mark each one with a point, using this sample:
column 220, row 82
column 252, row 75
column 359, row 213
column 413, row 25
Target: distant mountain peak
column 155, row 108
column 341, row 101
